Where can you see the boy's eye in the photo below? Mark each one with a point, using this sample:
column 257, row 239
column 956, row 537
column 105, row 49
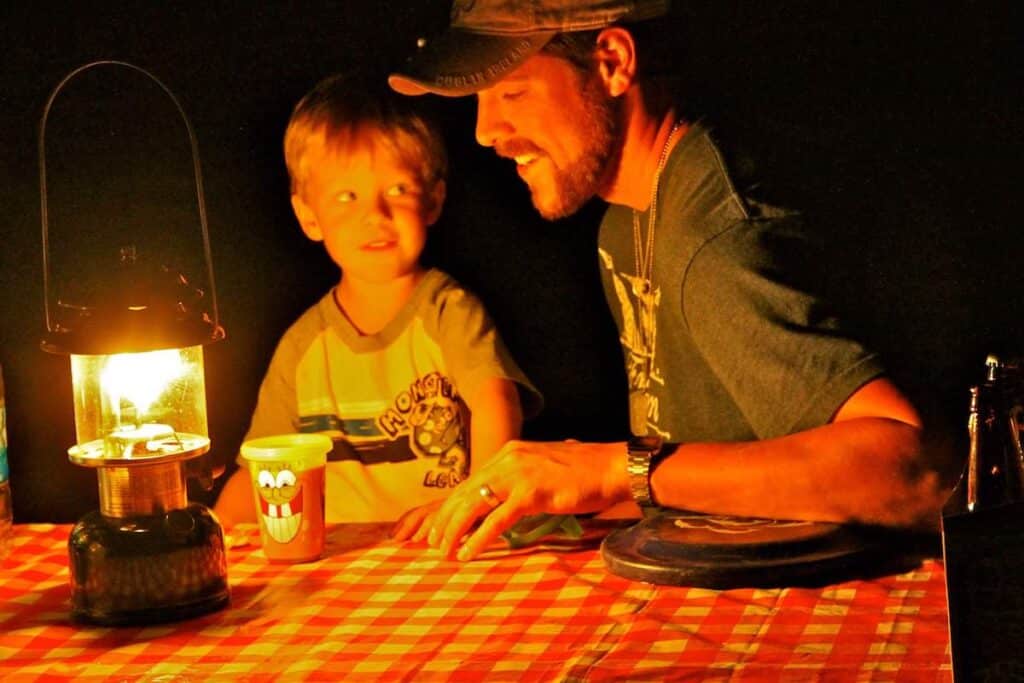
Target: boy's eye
column 345, row 197
column 398, row 190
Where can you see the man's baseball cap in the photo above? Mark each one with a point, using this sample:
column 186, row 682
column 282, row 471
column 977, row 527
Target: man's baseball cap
column 487, row 39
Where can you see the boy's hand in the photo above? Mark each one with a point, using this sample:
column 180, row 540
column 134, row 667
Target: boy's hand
column 415, row 523
column 235, row 503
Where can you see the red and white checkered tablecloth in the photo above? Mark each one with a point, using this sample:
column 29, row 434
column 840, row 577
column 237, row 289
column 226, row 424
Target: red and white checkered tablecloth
column 375, row 610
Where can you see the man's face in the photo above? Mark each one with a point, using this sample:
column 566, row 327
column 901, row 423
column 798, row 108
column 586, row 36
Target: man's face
column 558, row 125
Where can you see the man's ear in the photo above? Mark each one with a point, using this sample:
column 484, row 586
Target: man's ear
column 616, row 59
column 435, row 201
column 307, row 219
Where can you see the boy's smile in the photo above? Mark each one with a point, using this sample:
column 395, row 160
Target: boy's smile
column 377, row 245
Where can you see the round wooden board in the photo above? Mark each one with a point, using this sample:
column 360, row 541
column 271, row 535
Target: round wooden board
column 717, row 551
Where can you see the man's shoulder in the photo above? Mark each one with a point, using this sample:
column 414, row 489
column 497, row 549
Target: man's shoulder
column 712, row 186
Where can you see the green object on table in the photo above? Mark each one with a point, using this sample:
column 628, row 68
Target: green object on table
column 531, row 529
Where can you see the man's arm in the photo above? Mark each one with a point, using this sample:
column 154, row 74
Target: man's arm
column 865, row 466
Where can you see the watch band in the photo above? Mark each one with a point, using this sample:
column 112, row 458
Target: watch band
column 640, row 451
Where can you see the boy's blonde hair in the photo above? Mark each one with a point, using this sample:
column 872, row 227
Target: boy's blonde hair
column 354, row 108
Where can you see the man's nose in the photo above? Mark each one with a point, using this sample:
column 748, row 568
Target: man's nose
column 491, row 125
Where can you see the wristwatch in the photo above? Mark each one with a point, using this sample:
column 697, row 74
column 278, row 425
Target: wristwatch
column 640, row 450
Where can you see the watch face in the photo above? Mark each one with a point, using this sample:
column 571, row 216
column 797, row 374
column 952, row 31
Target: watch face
column 645, row 443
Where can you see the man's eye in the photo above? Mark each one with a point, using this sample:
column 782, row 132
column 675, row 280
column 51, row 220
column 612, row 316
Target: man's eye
column 345, row 197
column 513, row 94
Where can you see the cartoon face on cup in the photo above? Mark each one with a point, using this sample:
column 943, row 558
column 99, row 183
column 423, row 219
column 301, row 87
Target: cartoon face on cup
column 287, row 472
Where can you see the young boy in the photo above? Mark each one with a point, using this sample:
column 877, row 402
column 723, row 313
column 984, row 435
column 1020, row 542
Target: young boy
column 398, row 363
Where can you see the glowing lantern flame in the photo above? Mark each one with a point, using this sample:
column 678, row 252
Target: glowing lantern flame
column 141, row 377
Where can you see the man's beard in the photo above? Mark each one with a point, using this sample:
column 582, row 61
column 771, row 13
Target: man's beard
column 573, row 186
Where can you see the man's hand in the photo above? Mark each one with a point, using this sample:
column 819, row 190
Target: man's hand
column 527, row 478
column 415, row 523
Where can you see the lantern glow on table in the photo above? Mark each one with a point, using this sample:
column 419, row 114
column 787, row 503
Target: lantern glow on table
column 148, row 554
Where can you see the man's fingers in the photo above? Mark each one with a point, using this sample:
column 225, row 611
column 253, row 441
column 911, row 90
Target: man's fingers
column 461, row 521
column 440, row 522
column 497, row 522
column 409, row 523
column 400, row 529
column 424, row 526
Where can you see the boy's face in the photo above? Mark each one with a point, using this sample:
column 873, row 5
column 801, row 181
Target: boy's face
column 368, row 207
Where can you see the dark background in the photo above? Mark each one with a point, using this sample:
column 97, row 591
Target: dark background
column 896, row 129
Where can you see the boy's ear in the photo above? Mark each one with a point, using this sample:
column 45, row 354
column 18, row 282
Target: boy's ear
column 307, row 219
column 436, row 201
column 616, row 59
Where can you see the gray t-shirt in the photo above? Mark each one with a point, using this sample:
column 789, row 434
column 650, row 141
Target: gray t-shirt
column 741, row 350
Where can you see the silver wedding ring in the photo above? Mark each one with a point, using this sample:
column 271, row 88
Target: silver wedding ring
column 487, row 493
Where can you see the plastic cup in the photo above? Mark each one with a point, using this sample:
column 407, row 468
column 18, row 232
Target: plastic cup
column 287, row 473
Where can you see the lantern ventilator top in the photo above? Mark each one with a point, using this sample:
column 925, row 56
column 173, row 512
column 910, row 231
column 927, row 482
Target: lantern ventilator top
column 152, row 306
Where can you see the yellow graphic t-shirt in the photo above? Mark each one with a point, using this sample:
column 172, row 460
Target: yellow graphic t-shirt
column 392, row 402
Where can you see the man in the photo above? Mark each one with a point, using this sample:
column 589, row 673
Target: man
column 744, row 398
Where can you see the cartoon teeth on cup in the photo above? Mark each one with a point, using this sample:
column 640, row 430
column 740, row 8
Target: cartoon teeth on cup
column 287, row 472
column 280, row 497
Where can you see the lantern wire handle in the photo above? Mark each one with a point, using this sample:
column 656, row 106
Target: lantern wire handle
column 44, row 213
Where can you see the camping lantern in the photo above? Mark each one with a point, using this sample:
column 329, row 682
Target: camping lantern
column 135, row 340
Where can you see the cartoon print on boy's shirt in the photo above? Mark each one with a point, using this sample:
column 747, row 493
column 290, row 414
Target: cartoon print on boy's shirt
column 430, row 415
column 280, row 498
column 426, row 421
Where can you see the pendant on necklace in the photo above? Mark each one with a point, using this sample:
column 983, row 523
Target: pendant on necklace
column 639, row 403
column 641, row 287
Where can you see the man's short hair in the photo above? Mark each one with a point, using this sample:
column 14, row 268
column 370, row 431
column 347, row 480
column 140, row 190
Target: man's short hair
column 358, row 108
column 576, row 47
column 658, row 66
column 657, row 56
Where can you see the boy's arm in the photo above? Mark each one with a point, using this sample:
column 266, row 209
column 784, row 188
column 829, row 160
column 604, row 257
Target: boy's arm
column 496, row 417
column 276, row 412
column 493, row 386
column 235, row 503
